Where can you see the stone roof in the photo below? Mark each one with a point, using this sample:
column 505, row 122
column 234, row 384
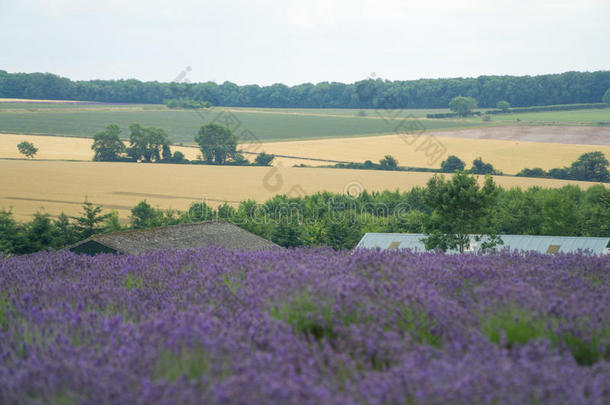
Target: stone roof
column 183, row 236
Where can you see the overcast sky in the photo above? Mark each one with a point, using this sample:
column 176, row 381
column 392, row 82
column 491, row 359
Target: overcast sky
column 288, row 41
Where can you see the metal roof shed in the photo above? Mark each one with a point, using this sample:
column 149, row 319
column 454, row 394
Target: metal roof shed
column 542, row 244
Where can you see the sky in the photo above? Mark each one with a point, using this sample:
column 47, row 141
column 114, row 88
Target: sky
column 291, row 42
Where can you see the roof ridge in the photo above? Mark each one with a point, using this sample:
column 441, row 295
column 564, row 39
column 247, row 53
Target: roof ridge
column 184, row 225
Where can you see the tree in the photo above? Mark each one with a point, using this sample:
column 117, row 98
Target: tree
column 559, row 215
column 178, row 157
column 240, row 160
column 264, row 159
column 480, row 167
column 388, row 163
column 606, row 97
column 90, row 221
column 592, row 166
column 27, row 149
column 40, row 234
column 66, row 233
column 452, row 164
column 113, row 222
column 462, row 105
column 341, row 233
column 143, row 215
column 560, row 173
column 216, row 142
column 503, row 105
column 148, row 144
column 287, row 234
column 107, row 144
column 459, row 208
column 10, row 232
column 535, row 172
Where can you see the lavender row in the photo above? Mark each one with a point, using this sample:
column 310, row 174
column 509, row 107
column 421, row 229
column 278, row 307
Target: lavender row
column 305, row 326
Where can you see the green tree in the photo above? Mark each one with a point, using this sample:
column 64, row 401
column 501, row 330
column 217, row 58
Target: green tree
column 459, row 208
column 480, row 167
column 264, row 159
column 148, row 144
column 451, row 164
column 240, row 160
column 503, row 105
column 559, row 215
column 462, row 105
column 66, row 232
column 27, row 149
column 535, row 172
column 592, row 166
column 216, row 142
column 40, row 234
column 178, row 157
column 10, row 232
column 107, row 144
column 596, row 212
column 606, row 97
column 144, row 215
column 287, row 234
column 388, row 163
column 560, row 173
column 341, row 233
column 91, row 220
column 113, row 223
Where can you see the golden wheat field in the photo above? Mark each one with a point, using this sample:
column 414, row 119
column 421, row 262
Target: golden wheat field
column 507, row 156
column 62, row 147
column 59, row 186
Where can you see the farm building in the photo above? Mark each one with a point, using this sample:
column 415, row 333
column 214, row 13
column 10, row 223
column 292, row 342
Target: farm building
column 184, row 236
column 542, row 244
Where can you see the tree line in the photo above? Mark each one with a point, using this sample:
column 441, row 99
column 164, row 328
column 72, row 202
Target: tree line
column 446, row 209
column 590, row 166
column 519, row 91
column 217, row 143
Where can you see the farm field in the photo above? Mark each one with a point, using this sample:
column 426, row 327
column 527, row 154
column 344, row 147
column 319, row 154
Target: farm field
column 305, row 327
column 182, row 125
column 56, row 186
column 582, row 117
column 63, row 148
column 67, row 105
column 508, row 156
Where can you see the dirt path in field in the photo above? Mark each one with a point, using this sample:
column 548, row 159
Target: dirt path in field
column 551, row 134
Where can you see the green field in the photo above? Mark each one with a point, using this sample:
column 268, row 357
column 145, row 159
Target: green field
column 182, row 125
column 575, row 117
column 267, row 124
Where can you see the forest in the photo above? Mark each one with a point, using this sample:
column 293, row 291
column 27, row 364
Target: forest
column 519, row 91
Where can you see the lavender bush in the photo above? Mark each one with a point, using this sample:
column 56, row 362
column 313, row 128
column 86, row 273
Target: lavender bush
column 305, row 327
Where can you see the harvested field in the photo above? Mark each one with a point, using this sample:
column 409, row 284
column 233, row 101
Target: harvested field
column 510, row 156
column 56, row 186
column 62, row 148
column 583, row 135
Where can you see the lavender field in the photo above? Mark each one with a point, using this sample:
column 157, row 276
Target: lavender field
column 305, row 327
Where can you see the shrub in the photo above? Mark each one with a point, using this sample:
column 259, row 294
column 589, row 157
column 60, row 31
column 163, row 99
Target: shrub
column 452, row 164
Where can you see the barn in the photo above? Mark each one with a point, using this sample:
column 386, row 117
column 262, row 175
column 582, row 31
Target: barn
column 183, row 236
column 541, row 244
